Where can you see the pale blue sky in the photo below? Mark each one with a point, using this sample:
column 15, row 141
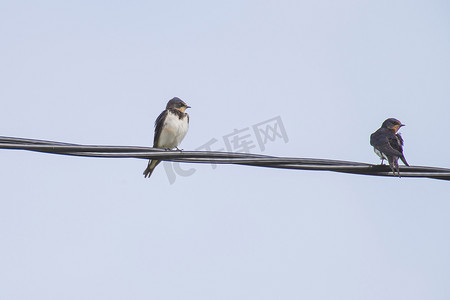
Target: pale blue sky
column 100, row 72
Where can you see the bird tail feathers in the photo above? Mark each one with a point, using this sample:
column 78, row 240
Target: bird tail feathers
column 150, row 167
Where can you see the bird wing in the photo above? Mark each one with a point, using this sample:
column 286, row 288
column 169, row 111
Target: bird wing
column 400, row 139
column 388, row 150
column 158, row 126
column 384, row 142
column 396, row 142
column 399, row 146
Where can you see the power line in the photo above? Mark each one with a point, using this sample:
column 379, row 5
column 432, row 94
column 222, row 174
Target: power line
column 255, row 160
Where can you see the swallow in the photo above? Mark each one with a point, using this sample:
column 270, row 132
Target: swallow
column 171, row 127
column 388, row 144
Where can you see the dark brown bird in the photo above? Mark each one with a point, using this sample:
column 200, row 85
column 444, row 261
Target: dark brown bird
column 388, row 144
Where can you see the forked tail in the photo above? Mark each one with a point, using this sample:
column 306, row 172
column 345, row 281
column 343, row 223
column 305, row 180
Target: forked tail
column 150, row 167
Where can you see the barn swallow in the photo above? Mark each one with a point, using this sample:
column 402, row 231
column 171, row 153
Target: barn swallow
column 170, row 128
column 388, row 144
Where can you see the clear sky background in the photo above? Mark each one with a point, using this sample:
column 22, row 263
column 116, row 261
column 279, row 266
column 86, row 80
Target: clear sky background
column 100, row 72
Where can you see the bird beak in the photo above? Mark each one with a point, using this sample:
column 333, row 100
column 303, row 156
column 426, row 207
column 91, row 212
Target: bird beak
column 187, row 106
column 401, row 125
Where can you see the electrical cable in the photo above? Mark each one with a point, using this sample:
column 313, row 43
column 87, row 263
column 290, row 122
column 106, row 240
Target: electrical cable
column 216, row 157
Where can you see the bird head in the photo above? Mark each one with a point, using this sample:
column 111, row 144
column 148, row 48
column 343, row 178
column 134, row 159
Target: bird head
column 392, row 124
column 178, row 104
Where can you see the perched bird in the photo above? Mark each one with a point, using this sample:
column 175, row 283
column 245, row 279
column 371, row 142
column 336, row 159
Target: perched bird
column 170, row 128
column 388, row 144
